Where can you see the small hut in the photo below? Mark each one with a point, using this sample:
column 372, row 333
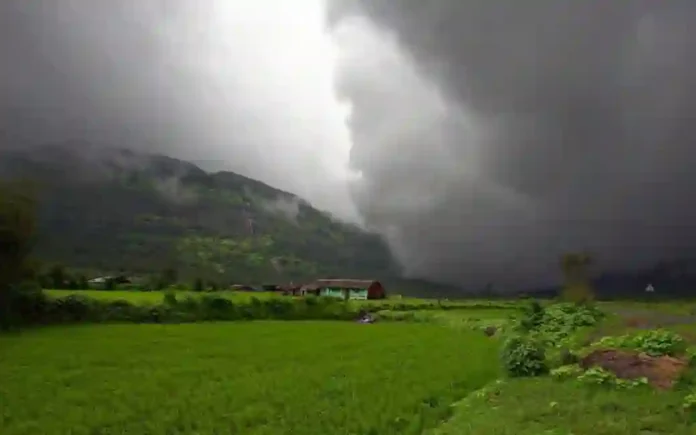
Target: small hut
column 350, row 288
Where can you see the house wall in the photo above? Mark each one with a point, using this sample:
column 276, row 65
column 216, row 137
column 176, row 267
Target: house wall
column 332, row 292
column 357, row 294
column 376, row 291
column 341, row 293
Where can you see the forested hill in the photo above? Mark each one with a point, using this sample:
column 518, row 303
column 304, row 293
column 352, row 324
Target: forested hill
column 115, row 209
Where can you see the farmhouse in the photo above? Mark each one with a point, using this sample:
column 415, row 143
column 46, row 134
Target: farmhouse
column 349, row 288
column 103, row 282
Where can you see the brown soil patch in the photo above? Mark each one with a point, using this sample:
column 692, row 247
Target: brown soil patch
column 661, row 372
column 637, row 322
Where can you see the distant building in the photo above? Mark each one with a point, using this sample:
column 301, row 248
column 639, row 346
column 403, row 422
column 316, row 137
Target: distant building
column 103, row 282
column 345, row 289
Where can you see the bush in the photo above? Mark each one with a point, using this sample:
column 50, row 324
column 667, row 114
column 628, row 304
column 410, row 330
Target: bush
column 33, row 308
column 561, row 321
column 533, row 316
column 660, row 342
column 26, row 303
column 169, row 298
column 523, row 355
column 568, row 371
column 74, row 308
column 657, row 342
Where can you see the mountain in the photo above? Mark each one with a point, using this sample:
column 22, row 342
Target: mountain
column 115, row 209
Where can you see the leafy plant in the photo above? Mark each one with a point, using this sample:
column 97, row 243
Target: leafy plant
column 689, row 402
column 660, row 342
column 597, row 376
column 524, row 355
column 534, row 315
column 656, row 342
column 169, row 298
column 566, row 372
column 691, row 356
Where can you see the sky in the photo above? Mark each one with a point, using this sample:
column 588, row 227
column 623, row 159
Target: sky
column 483, row 139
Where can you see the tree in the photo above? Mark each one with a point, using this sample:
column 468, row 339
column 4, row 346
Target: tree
column 576, row 276
column 17, row 232
column 82, row 282
column 109, row 284
column 58, row 276
column 198, row 285
column 169, row 276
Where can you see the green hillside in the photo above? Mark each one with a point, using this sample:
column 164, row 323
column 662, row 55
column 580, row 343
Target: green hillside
column 115, row 209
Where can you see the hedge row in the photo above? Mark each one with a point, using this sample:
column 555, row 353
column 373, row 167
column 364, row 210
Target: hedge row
column 35, row 308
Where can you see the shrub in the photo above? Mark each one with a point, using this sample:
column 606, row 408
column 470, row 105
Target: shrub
column 656, row 342
column 691, row 356
column 602, row 377
column 561, row 321
column 524, row 355
column 119, row 311
column 533, row 316
column 566, row 372
column 35, row 308
column 26, row 303
column 660, row 342
column 689, row 403
column 73, row 308
column 597, row 376
column 169, row 298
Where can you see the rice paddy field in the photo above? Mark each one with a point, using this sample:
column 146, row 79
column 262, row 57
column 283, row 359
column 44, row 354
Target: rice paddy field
column 424, row 368
column 239, row 378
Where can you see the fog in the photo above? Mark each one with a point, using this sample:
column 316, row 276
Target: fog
column 227, row 84
column 482, row 139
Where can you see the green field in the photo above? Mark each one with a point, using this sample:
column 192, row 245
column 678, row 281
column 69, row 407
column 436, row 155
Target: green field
column 246, row 378
column 421, row 369
column 536, row 406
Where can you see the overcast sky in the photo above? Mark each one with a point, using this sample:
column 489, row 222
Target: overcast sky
column 482, row 138
column 234, row 84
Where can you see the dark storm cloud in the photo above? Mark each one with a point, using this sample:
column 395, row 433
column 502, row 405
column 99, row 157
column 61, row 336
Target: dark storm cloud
column 492, row 135
column 495, row 135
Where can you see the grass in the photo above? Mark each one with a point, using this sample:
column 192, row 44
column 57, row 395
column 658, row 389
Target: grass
column 533, row 406
column 246, row 378
column 461, row 318
column 544, row 406
column 315, row 378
